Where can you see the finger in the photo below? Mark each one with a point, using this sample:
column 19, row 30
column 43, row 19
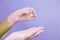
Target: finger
column 33, row 18
column 28, row 13
column 27, row 10
column 27, row 17
column 30, row 17
column 33, row 31
column 38, row 33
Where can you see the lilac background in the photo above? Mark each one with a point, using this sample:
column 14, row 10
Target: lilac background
column 48, row 15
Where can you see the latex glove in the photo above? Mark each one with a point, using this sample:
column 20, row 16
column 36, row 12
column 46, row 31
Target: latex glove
column 26, row 34
column 24, row 14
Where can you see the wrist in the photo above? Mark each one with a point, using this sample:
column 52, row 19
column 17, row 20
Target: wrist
column 11, row 20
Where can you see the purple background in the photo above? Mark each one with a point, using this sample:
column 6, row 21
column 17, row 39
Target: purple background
column 48, row 15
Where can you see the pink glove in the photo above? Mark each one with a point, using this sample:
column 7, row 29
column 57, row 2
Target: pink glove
column 26, row 34
column 24, row 14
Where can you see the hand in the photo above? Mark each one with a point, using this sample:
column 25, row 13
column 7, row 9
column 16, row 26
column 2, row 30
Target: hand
column 26, row 34
column 24, row 14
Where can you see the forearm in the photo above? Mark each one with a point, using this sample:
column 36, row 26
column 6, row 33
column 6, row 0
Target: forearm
column 7, row 24
column 4, row 27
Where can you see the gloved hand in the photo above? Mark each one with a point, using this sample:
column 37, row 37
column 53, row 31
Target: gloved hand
column 26, row 34
column 24, row 14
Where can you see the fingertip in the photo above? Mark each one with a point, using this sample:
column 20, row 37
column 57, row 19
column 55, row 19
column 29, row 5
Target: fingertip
column 40, row 27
